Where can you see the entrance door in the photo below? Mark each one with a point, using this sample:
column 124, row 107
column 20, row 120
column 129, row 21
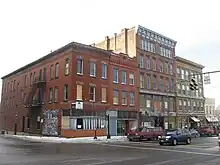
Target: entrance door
column 120, row 127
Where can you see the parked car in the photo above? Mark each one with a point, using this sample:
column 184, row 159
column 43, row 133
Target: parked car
column 207, row 131
column 175, row 136
column 145, row 133
column 194, row 133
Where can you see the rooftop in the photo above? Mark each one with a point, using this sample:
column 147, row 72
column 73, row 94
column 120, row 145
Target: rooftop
column 189, row 62
column 74, row 45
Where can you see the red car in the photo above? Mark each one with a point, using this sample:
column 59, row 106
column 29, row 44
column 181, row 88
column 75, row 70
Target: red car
column 207, row 131
column 145, row 133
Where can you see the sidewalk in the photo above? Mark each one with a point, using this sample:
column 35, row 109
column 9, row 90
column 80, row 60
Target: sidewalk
column 45, row 139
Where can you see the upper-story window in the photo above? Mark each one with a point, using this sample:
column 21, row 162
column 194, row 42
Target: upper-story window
column 123, row 77
column 104, row 71
column 25, row 80
column 147, row 62
column 141, row 80
column 51, row 72
column 148, row 82
column 154, row 64
column 34, row 77
column 131, row 98
column 92, row 66
column 131, row 79
column 115, row 75
column 161, row 66
column 171, row 69
column 31, row 79
column 182, row 74
column 166, row 67
column 187, row 74
column 92, row 93
column 50, row 95
column 154, row 82
column 115, row 97
column 57, row 70
column 79, row 66
column 45, row 74
column 141, row 61
column 65, row 92
column 67, row 67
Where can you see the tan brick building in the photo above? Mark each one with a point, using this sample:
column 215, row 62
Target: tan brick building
column 190, row 104
column 155, row 58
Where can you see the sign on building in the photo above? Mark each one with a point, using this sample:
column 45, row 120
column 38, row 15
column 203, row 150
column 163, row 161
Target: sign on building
column 207, row 79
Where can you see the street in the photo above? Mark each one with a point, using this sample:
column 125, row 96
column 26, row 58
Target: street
column 202, row 151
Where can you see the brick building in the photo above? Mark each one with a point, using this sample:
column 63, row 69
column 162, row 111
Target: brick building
column 155, row 56
column 38, row 97
column 189, row 104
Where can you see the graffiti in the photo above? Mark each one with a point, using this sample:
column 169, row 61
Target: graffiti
column 50, row 124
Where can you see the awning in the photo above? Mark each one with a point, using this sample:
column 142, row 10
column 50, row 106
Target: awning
column 212, row 119
column 195, row 119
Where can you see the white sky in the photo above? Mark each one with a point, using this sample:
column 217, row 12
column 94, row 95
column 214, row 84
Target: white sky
column 30, row 29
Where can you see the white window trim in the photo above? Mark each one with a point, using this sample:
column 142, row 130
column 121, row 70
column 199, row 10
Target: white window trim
column 106, row 74
column 131, row 78
column 82, row 68
column 93, row 94
column 116, row 82
column 94, row 64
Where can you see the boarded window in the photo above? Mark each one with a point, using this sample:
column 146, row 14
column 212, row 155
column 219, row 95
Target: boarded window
column 79, row 92
column 104, row 95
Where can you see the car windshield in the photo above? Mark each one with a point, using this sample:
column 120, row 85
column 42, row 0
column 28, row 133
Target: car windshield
column 139, row 129
column 171, row 133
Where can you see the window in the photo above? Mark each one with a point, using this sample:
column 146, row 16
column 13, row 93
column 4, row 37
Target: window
column 79, row 66
column 141, row 61
column 180, row 102
column 79, row 92
column 51, row 72
column 87, row 123
column 65, row 92
column 104, row 71
column 124, row 98
column 45, row 74
column 167, row 85
column 51, row 95
column 31, row 82
column 166, row 68
column 183, row 74
column 141, row 80
column 131, row 79
column 57, row 70
column 67, row 67
column 92, row 66
column 115, row 97
column 92, row 93
column 148, row 82
column 154, row 64
column 161, row 83
column 132, row 98
column 171, row 69
column 115, row 75
column 161, row 66
column 25, row 80
column 56, row 94
column 123, row 80
column 104, row 99
column 172, row 85
column 34, row 77
column 155, row 82
column 148, row 62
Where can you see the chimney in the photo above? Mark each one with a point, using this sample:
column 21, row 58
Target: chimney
column 115, row 37
column 126, row 40
column 107, row 40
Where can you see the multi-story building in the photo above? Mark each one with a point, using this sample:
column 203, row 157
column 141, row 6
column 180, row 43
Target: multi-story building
column 155, row 58
column 210, row 111
column 190, row 104
column 68, row 93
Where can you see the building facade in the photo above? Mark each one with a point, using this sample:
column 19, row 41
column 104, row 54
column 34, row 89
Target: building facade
column 189, row 104
column 39, row 97
column 210, row 111
column 155, row 58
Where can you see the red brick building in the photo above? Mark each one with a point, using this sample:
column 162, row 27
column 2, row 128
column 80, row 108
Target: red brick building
column 38, row 97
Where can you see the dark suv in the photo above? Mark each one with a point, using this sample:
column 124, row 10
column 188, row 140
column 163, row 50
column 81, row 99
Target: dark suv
column 175, row 136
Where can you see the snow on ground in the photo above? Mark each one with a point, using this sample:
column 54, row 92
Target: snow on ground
column 99, row 139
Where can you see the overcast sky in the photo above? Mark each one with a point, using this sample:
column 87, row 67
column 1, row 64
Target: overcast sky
column 31, row 29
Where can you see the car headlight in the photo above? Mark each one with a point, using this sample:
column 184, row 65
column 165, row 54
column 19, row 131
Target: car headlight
column 167, row 137
column 159, row 137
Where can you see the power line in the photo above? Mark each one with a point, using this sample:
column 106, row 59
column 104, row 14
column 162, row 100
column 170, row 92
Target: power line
column 217, row 71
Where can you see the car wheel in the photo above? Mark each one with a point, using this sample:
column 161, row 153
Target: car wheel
column 188, row 141
column 130, row 140
column 174, row 142
column 141, row 138
column 161, row 144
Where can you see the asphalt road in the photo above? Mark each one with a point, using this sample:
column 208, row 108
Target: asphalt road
column 202, row 151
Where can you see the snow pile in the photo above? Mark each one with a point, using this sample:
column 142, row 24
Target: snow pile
column 71, row 140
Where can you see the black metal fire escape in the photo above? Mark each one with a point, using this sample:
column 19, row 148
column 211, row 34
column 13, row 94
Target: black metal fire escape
column 35, row 97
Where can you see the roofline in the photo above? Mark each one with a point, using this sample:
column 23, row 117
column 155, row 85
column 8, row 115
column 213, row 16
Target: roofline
column 73, row 45
column 189, row 62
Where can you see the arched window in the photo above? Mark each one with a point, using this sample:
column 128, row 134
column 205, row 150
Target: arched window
column 67, row 67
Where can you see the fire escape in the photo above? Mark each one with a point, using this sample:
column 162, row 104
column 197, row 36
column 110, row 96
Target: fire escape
column 35, row 97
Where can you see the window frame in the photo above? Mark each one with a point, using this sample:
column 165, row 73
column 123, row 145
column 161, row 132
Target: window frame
column 57, row 70
column 79, row 61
